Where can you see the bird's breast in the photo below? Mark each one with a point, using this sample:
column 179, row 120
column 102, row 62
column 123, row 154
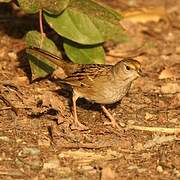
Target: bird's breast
column 105, row 93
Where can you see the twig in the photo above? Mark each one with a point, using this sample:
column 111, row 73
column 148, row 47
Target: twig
column 85, row 146
column 11, row 87
column 8, row 103
column 5, row 108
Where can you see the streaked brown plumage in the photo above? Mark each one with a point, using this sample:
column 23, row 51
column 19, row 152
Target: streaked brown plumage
column 103, row 84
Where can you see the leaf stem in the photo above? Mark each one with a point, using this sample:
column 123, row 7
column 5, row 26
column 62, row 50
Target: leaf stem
column 43, row 35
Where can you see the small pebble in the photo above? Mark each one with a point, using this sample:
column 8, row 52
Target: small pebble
column 159, row 169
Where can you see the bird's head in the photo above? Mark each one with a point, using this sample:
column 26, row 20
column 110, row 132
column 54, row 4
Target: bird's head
column 128, row 69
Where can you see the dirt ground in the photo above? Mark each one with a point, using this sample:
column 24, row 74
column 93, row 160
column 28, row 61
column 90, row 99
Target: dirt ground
column 36, row 139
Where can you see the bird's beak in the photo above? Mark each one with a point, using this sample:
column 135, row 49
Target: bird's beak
column 140, row 73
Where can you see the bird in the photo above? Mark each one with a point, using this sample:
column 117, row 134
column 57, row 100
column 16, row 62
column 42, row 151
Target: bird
column 98, row 83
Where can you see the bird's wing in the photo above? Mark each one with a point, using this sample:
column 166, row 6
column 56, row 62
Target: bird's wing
column 87, row 74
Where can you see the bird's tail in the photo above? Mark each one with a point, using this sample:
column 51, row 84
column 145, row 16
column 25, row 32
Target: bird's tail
column 37, row 52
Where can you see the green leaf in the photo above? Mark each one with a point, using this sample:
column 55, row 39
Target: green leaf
column 111, row 31
column 29, row 6
column 75, row 26
column 87, row 22
column 84, row 54
column 54, row 7
column 40, row 66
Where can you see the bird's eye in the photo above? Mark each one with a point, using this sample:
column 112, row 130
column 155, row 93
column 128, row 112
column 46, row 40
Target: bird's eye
column 128, row 68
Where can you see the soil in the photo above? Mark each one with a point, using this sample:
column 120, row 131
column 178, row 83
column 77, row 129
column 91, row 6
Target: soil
column 36, row 136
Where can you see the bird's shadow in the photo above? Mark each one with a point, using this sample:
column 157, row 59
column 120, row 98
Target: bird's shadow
column 67, row 92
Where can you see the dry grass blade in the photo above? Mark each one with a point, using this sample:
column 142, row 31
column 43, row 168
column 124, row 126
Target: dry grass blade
column 144, row 15
column 129, row 53
column 11, row 172
column 174, row 130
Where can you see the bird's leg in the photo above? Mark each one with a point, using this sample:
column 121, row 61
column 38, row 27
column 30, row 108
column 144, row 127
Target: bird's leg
column 77, row 124
column 108, row 114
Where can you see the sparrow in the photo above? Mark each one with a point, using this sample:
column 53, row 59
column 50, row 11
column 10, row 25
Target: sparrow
column 98, row 83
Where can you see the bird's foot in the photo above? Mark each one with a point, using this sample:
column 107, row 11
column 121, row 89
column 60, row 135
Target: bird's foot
column 114, row 124
column 79, row 126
